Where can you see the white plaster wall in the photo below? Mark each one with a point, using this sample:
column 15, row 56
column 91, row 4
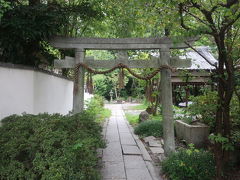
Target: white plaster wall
column 16, row 91
column 52, row 94
column 33, row 92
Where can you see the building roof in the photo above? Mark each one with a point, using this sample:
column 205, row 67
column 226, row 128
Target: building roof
column 198, row 62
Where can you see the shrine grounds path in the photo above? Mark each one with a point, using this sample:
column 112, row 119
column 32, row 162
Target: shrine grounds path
column 125, row 157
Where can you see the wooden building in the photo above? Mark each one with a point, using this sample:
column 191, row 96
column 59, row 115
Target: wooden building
column 188, row 81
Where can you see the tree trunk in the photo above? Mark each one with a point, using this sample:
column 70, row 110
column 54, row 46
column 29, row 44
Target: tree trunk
column 225, row 93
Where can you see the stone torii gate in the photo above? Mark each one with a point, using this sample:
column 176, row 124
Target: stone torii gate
column 163, row 44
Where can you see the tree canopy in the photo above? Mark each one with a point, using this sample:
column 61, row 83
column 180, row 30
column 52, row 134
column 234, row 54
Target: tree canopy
column 25, row 28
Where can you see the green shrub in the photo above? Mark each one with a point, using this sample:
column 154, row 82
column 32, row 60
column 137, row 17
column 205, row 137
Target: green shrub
column 50, row 147
column 95, row 104
column 149, row 128
column 96, row 107
column 189, row 164
column 205, row 106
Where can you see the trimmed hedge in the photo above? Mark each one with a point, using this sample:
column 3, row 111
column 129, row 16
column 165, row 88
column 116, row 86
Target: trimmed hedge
column 50, row 147
column 149, row 128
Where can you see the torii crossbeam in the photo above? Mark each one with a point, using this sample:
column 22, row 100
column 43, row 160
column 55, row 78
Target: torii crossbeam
column 69, row 62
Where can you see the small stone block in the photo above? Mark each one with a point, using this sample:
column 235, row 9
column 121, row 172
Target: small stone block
column 130, row 150
column 154, row 144
column 161, row 157
column 149, row 138
column 157, row 150
column 162, row 141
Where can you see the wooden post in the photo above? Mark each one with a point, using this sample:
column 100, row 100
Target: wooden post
column 78, row 97
column 167, row 111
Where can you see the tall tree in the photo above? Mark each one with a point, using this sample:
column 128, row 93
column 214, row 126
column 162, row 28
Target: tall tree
column 219, row 21
column 25, row 28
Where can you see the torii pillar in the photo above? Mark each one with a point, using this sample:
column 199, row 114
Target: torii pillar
column 78, row 96
column 167, row 105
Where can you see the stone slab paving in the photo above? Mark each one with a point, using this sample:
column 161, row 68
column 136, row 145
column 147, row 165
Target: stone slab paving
column 138, row 174
column 114, row 170
column 134, row 162
column 122, row 158
column 127, row 139
column 131, row 150
column 113, row 152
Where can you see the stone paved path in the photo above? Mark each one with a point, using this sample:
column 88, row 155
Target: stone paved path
column 122, row 158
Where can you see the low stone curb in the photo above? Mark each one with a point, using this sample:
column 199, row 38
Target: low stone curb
column 100, row 150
